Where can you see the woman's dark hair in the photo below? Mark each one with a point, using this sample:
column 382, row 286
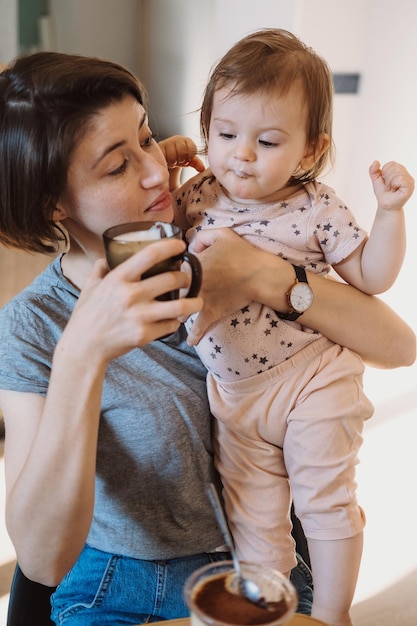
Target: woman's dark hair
column 270, row 61
column 47, row 101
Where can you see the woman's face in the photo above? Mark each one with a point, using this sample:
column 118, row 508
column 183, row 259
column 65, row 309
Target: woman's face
column 117, row 174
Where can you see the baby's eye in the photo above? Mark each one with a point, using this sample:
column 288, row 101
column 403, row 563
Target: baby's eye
column 226, row 135
column 119, row 170
column 267, row 144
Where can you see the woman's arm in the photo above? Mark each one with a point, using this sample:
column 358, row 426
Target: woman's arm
column 236, row 273
column 51, row 442
column 360, row 322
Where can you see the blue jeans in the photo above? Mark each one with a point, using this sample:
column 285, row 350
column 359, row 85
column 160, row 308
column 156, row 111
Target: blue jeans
column 105, row 589
column 302, row 580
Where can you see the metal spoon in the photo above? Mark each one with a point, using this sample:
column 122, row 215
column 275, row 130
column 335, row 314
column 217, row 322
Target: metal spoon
column 247, row 588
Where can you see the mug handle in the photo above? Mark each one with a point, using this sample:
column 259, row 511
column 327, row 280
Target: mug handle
column 196, row 273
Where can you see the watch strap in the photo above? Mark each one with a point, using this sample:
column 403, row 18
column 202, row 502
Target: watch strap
column 300, row 273
column 291, row 317
column 301, row 277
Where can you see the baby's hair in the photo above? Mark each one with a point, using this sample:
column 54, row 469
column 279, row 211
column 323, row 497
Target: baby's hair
column 270, row 61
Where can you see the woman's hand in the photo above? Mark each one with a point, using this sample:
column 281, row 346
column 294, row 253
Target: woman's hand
column 117, row 311
column 232, row 270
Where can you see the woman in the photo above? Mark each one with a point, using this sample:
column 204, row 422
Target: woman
column 108, row 444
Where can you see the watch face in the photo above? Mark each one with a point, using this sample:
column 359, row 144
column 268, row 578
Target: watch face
column 301, row 297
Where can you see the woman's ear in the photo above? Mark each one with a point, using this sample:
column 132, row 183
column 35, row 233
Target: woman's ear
column 59, row 213
column 313, row 153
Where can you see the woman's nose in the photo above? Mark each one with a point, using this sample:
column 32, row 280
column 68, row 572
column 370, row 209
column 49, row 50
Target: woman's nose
column 154, row 173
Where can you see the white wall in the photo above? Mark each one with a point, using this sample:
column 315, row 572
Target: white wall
column 104, row 28
column 376, row 38
column 185, row 38
column 8, row 30
column 177, row 52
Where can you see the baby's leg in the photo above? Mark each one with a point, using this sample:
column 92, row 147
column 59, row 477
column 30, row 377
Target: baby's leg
column 248, row 440
column 257, row 498
column 335, row 565
column 321, row 453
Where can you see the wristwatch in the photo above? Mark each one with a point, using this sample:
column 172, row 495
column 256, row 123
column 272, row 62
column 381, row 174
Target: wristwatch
column 300, row 296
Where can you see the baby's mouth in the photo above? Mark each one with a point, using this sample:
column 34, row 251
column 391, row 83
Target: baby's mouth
column 241, row 174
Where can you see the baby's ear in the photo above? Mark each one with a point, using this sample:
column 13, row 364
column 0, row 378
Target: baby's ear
column 313, row 153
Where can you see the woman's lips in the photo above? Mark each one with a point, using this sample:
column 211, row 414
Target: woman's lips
column 163, row 202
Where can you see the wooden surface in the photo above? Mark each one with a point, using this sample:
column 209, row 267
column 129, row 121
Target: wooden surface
column 17, row 270
column 297, row 620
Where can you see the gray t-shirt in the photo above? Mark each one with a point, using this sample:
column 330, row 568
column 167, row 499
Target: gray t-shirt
column 154, row 449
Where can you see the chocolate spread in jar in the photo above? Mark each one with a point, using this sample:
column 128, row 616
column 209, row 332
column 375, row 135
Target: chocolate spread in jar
column 214, row 599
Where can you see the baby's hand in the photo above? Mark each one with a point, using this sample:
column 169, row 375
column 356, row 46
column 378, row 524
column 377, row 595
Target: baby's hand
column 181, row 151
column 392, row 184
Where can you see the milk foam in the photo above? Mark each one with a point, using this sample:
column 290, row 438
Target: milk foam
column 156, row 231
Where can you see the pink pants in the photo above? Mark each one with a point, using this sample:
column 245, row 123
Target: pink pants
column 292, row 432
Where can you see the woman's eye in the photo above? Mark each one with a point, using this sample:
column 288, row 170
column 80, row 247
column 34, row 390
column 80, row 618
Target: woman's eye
column 119, row 170
column 149, row 140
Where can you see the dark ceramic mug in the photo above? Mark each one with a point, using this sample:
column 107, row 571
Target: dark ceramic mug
column 124, row 240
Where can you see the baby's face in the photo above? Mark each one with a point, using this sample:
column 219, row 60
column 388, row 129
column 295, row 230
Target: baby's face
column 256, row 143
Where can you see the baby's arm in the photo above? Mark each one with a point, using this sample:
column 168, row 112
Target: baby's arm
column 375, row 265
